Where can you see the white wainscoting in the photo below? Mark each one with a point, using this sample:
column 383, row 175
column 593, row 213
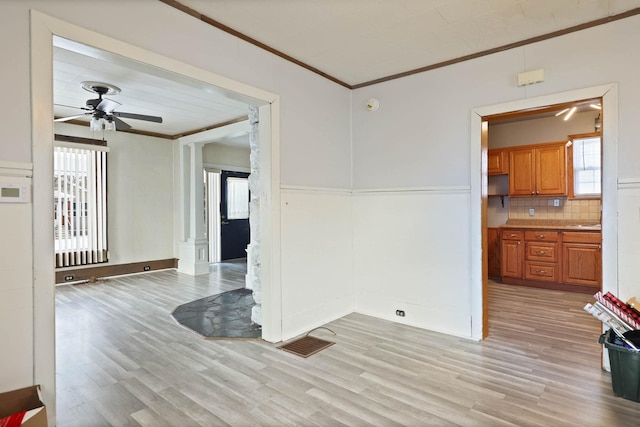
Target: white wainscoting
column 16, row 288
column 317, row 253
column 628, row 238
column 412, row 253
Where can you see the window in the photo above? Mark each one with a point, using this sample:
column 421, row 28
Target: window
column 237, row 198
column 80, row 206
column 587, row 166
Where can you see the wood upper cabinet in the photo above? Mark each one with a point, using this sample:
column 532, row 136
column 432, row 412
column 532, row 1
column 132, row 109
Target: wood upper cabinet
column 498, row 162
column 539, row 170
column 512, row 253
column 582, row 258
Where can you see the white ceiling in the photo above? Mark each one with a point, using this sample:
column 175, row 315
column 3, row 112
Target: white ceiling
column 354, row 41
column 357, row 41
column 183, row 105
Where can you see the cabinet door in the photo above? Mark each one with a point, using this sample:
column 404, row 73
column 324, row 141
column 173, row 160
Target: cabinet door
column 512, row 254
column 521, row 172
column 551, row 170
column 582, row 264
column 493, row 249
column 497, row 162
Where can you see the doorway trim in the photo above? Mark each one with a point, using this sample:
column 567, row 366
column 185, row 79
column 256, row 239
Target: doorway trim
column 43, row 29
column 609, row 95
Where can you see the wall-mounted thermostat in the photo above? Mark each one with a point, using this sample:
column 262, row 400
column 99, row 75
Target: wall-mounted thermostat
column 15, row 193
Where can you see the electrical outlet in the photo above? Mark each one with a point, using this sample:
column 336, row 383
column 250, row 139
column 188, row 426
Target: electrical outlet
column 146, row 268
column 68, row 278
column 556, row 202
column 400, row 313
column 532, row 212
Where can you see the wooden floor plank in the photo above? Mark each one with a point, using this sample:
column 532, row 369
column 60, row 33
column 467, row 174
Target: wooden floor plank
column 122, row 361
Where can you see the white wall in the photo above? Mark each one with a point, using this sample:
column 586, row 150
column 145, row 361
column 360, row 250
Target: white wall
column 420, row 137
column 318, row 249
column 313, row 123
column 225, row 156
column 538, row 131
column 16, row 291
column 410, row 252
column 141, row 212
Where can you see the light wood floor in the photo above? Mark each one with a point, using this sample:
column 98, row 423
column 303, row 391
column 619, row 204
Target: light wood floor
column 122, row 361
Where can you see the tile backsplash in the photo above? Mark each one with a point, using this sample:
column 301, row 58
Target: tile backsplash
column 582, row 210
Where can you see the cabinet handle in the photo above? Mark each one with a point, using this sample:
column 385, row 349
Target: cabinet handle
column 540, row 236
column 540, row 271
column 540, row 252
column 533, row 192
column 512, row 235
column 518, row 242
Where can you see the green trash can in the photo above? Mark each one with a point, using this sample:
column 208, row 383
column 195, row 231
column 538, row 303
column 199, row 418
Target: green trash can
column 625, row 367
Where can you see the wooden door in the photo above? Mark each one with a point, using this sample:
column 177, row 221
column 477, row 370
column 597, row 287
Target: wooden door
column 551, row 170
column 512, row 252
column 521, row 172
column 234, row 229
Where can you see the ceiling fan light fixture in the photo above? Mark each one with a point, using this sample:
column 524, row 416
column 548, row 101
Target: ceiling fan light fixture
column 110, row 125
column 96, row 124
column 100, row 88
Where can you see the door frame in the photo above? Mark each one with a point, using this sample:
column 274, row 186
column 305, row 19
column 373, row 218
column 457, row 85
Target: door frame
column 478, row 165
column 42, row 30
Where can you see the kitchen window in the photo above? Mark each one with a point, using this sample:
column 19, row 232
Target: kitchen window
column 585, row 160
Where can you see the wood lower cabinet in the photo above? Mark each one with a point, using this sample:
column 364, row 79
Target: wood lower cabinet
column 493, row 252
column 512, row 253
column 582, row 259
column 552, row 259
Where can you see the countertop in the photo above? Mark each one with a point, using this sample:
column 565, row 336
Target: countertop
column 542, row 224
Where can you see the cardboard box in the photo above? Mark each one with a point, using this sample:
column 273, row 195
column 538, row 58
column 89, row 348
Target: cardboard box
column 25, row 399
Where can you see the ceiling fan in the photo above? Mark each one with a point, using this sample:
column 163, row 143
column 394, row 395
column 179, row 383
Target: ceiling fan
column 102, row 110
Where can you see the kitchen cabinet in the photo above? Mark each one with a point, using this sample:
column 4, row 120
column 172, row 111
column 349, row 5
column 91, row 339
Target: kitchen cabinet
column 498, row 162
column 582, row 258
column 493, row 251
column 541, row 256
column 553, row 258
column 512, row 253
column 538, row 170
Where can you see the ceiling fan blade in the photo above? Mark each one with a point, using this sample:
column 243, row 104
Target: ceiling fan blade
column 107, row 105
column 64, row 119
column 121, row 125
column 71, row 106
column 154, row 119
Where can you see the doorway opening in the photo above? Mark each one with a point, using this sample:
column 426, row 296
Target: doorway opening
column 43, row 31
column 530, row 177
column 479, row 188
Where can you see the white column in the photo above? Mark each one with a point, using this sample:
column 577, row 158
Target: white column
column 194, row 258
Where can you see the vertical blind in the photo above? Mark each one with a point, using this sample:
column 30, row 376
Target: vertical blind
column 80, row 206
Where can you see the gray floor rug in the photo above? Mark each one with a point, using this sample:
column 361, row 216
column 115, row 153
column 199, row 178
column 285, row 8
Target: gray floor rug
column 223, row 316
